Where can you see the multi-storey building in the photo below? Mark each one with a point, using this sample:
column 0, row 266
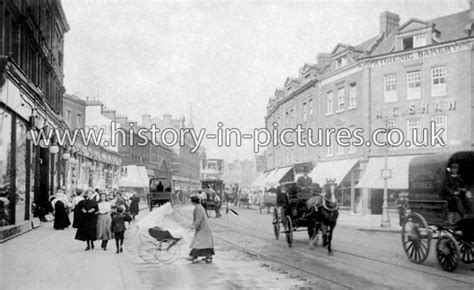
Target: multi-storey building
column 407, row 77
column 31, row 90
column 91, row 165
column 185, row 164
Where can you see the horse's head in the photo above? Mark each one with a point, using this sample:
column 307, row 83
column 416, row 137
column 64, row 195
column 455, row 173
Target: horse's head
column 330, row 192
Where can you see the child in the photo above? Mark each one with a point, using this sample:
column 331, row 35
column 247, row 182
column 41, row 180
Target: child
column 118, row 227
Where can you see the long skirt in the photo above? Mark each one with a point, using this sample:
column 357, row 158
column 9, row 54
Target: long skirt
column 61, row 218
column 104, row 227
column 87, row 230
column 201, row 252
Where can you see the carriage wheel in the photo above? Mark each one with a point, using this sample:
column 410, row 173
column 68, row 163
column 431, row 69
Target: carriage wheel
column 289, row 231
column 416, row 238
column 276, row 224
column 447, row 252
column 168, row 251
column 147, row 251
column 466, row 252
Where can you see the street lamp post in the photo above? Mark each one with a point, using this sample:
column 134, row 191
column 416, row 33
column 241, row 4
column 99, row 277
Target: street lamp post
column 386, row 174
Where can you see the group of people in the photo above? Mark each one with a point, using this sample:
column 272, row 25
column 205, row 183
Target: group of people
column 98, row 216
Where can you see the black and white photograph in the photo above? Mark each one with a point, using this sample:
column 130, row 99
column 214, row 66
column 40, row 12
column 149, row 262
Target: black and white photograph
column 228, row 144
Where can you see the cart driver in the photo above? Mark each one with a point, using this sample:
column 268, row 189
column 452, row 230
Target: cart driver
column 455, row 191
column 304, row 184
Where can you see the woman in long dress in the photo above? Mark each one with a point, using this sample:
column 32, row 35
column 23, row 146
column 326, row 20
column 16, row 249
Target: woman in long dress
column 203, row 242
column 134, row 209
column 104, row 221
column 77, row 212
column 87, row 230
column 61, row 216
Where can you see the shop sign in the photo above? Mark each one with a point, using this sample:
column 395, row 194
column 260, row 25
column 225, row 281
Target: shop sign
column 430, row 52
column 423, row 108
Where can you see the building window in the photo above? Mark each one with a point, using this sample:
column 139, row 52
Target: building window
column 340, row 100
column 341, row 61
column 329, row 103
column 438, row 81
column 287, row 118
column 78, row 120
column 391, row 124
column 441, row 122
column 412, row 126
column 352, row 96
column 68, row 115
column 414, row 41
column 390, row 88
column 352, row 148
column 310, row 105
column 305, row 113
column 340, row 150
column 413, row 85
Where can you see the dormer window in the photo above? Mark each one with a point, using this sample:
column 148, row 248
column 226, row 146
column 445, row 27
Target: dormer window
column 414, row 41
column 341, row 61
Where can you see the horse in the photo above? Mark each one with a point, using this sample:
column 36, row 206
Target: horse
column 324, row 213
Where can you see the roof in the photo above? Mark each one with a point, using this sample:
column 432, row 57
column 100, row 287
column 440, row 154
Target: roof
column 451, row 27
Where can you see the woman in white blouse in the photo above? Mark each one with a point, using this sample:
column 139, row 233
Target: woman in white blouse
column 104, row 221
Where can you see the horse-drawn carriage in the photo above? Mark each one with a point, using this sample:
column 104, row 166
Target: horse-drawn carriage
column 432, row 217
column 314, row 210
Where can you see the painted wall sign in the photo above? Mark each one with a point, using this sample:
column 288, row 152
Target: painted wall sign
column 423, row 108
column 435, row 51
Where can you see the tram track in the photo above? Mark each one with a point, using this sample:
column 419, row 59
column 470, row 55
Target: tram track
column 360, row 262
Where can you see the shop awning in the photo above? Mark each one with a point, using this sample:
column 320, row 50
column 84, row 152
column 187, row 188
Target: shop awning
column 337, row 169
column 275, row 177
column 372, row 177
column 259, row 181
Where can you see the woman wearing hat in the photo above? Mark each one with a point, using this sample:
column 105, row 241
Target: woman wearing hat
column 61, row 215
column 87, row 230
column 203, row 243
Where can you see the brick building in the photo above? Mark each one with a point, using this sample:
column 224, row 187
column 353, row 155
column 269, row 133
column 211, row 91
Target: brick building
column 409, row 75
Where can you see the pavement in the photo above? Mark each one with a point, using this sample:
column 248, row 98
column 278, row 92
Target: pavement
column 45, row 258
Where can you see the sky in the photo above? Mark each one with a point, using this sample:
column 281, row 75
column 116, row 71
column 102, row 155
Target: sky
column 223, row 59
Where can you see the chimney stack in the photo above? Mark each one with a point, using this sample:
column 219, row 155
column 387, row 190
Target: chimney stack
column 146, row 120
column 388, row 22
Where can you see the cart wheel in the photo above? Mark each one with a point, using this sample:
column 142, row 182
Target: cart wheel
column 276, row 224
column 447, row 252
column 416, row 238
column 147, row 251
column 289, row 232
column 466, row 252
column 168, row 251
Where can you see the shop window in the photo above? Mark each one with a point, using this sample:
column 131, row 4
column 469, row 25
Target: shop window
column 20, row 178
column 5, row 166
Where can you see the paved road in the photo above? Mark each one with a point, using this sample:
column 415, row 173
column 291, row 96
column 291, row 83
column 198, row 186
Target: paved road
column 363, row 259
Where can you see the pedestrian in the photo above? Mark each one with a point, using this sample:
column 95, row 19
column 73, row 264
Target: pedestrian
column 61, row 207
column 87, row 230
column 77, row 211
column 402, row 205
column 134, row 209
column 104, row 221
column 120, row 202
column 118, row 227
column 203, row 243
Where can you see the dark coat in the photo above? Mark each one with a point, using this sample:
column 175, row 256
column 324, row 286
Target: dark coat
column 118, row 222
column 134, row 205
column 61, row 218
column 87, row 228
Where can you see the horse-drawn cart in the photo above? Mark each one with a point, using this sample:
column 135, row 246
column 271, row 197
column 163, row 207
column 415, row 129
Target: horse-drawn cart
column 431, row 216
